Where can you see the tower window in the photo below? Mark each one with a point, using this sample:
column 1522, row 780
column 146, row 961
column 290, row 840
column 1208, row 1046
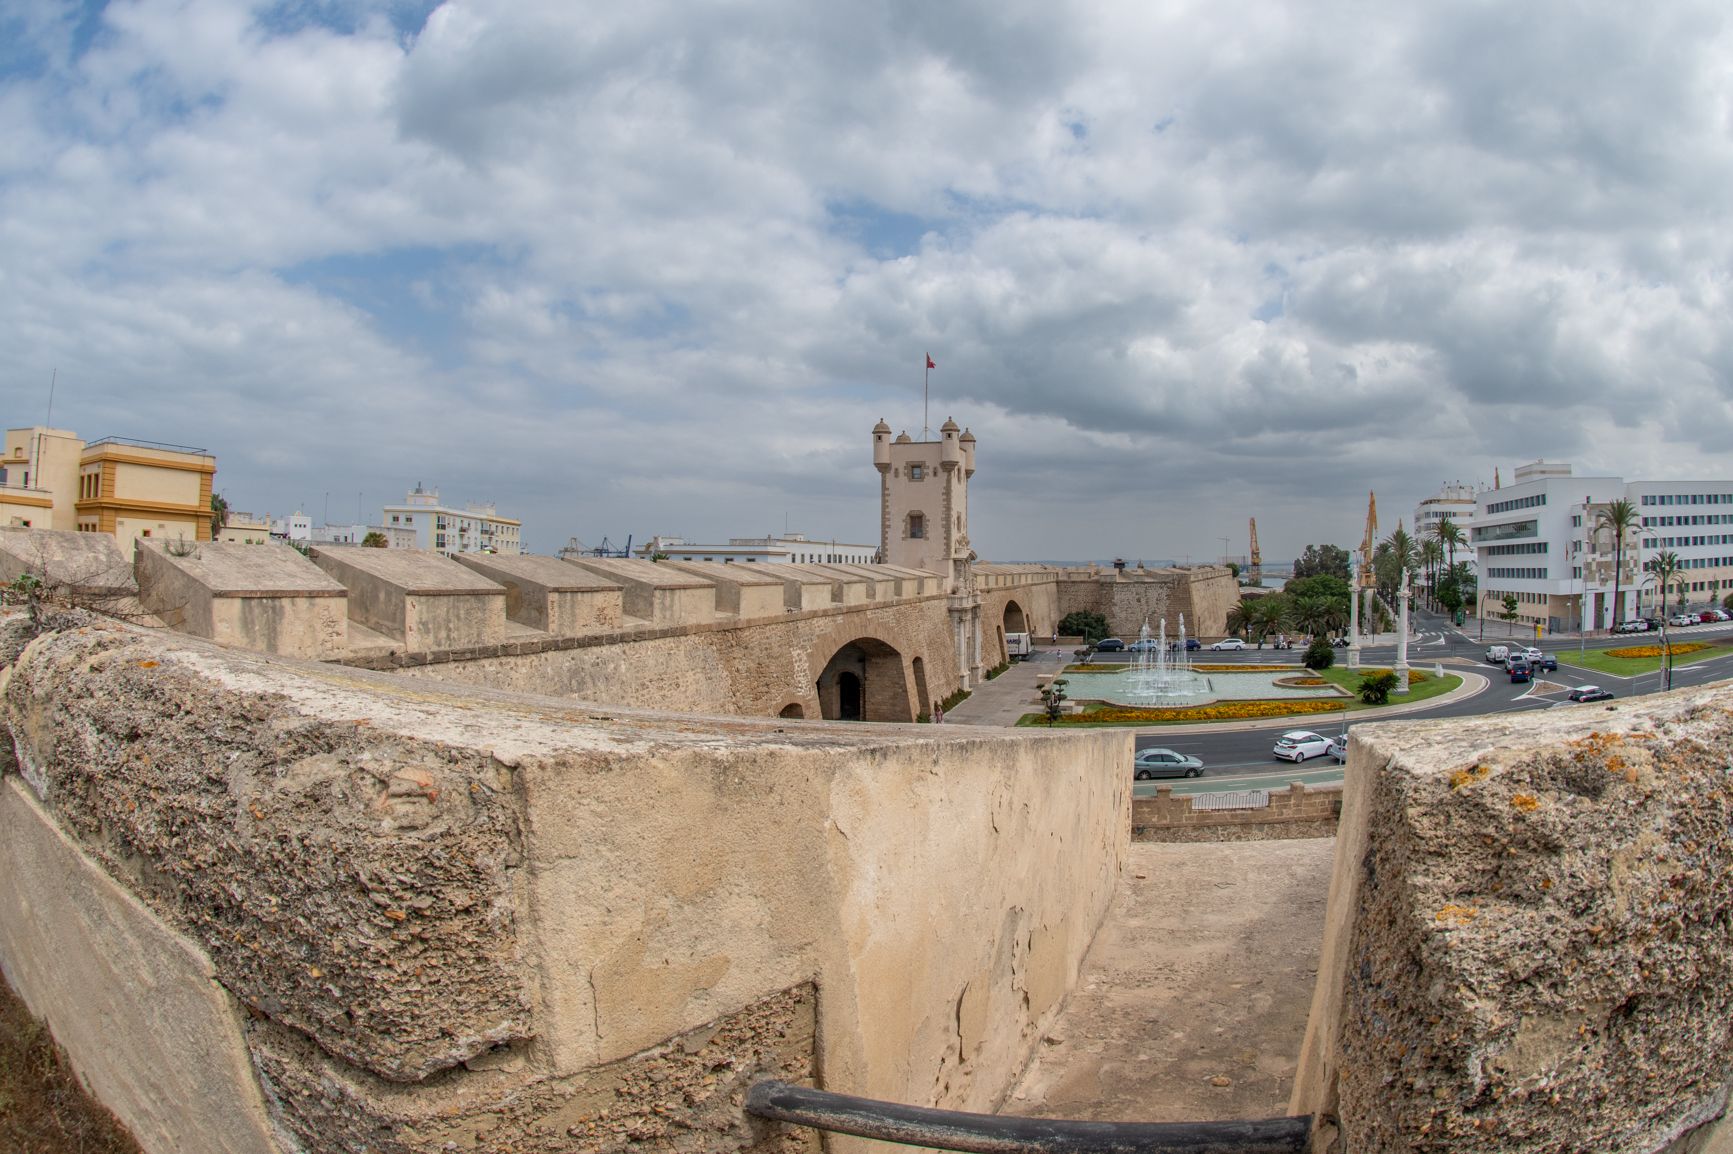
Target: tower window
column 916, row 472
column 917, row 526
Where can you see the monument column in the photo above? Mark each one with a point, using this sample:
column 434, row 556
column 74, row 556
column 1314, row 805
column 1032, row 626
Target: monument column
column 1354, row 615
column 1402, row 637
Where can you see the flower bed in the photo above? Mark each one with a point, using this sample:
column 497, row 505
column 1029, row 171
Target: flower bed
column 1221, row 711
column 1301, row 682
column 1656, row 650
column 1210, row 667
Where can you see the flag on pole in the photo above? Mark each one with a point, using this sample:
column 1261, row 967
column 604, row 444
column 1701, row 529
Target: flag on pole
column 930, row 363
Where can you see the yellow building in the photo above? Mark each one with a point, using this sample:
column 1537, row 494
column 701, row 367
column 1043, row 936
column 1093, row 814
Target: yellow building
column 39, row 477
column 49, row 479
column 143, row 489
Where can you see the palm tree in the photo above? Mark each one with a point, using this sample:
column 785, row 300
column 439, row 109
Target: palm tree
column 1449, row 534
column 1267, row 615
column 1666, row 567
column 1239, row 619
column 1431, row 557
column 1620, row 517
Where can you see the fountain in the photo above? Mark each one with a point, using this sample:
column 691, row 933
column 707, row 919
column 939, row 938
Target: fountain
column 1161, row 674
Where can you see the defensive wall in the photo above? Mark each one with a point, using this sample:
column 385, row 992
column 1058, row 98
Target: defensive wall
column 1204, row 594
column 275, row 904
column 1249, row 815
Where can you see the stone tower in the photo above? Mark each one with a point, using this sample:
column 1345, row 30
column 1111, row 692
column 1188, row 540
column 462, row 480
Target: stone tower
column 924, row 521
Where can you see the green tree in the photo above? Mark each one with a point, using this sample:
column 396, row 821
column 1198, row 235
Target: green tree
column 1239, row 620
column 1053, row 696
column 1666, row 567
column 219, row 514
column 1449, row 534
column 374, row 540
column 1374, row 688
column 1085, row 624
column 1432, row 560
column 1322, row 559
column 1267, row 615
column 1619, row 518
column 1320, row 654
column 1509, row 604
column 1234, row 568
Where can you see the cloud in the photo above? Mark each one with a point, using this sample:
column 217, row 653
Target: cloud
column 656, row 268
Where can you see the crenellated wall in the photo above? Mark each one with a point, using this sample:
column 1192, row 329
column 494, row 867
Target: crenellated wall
column 361, row 909
column 1204, row 594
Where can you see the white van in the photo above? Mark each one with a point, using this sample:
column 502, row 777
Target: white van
column 1497, row 654
column 1017, row 646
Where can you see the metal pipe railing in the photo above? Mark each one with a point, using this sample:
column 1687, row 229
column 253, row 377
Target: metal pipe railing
column 1002, row 1134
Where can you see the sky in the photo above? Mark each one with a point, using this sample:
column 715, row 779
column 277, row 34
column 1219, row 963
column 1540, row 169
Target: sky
column 658, row 268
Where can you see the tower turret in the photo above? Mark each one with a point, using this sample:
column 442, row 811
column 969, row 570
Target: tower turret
column 882, row 446
column 967, row 441
column 950, row 452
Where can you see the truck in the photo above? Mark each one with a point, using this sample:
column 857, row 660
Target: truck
column 1017, row 646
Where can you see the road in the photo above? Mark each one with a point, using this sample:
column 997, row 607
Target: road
column 1241, row 759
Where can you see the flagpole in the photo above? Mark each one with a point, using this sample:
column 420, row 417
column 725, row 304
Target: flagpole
column 926, row 375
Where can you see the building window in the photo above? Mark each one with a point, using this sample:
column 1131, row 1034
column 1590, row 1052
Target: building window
column 917, row 526
column 916, row 472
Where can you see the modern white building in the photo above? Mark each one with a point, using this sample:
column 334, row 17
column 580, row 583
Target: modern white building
column 476, row 528
column 396, row 536
column 1537, row 539
column 1454, row 500
column 790, row 548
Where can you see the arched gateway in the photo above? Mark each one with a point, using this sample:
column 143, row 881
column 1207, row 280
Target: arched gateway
column 865, row 680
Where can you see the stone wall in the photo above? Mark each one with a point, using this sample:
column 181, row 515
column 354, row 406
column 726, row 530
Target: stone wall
column 438, row 918
column 1204, row 594
column 1527, row 946
column 1297, row 811
column 759, row 669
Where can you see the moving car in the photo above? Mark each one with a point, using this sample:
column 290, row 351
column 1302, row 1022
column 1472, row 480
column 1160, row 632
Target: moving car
column 1192, row 643
column 1589, row 693
column 1520, row 671
column 1637, row 625
column 1298, row 744
column 1229, row 643
column 1682, row 619
column 1339, row 748
column 1530, row 655
column 1143, row 645
column 1109, row 645
column 1545, row 661
column 1498, row 654
column 1151, row 763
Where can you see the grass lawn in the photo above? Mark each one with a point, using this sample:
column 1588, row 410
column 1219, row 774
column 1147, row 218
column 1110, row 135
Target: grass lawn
column 1297, row 708
column 1631, row 666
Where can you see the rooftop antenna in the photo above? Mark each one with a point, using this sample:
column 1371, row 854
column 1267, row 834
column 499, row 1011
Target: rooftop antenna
column 51, row 382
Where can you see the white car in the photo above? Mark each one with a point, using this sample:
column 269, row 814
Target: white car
column 1299, row 744
column 1530, row 655
column 1229, row 643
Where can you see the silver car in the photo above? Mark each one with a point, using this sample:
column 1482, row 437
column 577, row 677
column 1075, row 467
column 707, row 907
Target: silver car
column 1151, row 763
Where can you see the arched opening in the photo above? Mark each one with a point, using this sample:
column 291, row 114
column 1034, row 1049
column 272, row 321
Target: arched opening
column 793, row 709
column 850, row 699
column 865, row 680
column 1015, row 620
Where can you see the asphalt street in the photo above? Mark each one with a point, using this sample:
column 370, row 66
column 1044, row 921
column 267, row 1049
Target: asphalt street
column 1242, row 759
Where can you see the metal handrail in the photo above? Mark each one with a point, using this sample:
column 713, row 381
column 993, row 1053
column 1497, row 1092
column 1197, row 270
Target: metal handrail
column 1001, row 1134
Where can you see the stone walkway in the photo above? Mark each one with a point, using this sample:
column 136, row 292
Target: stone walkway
column 1193, row 999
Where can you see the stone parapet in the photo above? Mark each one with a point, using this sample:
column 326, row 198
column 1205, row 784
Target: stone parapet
column 266, row 596
column 421, row 599
column 1527, row 944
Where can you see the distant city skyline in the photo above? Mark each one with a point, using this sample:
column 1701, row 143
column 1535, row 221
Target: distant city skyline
column 656, row 270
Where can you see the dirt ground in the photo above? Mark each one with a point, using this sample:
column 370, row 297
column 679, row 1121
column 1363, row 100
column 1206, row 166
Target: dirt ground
column 1193, row 999
column 43, row 1109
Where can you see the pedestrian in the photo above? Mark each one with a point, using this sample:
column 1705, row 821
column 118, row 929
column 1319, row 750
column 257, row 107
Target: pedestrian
column 938, row 715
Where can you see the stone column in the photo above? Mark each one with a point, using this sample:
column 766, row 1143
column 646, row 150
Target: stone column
column 1402, row 636
column 1354, row 594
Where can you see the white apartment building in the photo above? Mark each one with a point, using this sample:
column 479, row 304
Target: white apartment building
column 476, row 528
column 1537, row 539
column 1454, row 500
column 789, row 549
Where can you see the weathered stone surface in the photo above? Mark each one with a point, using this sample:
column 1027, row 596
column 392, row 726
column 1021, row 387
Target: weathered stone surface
column 90, row 562
column 1528, row 945
column 266, row 597
column 131, row 1001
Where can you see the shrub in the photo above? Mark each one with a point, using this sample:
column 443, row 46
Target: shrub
column 1375, row 687
column 1084, row 624
column 1320, row 654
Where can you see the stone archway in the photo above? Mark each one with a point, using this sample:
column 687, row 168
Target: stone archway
column 864, row 680
column 1016, row 621
column 793, row 710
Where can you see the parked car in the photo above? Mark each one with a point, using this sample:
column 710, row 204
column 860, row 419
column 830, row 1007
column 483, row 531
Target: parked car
column 1520, row 671
column 1298, row 744
column 1707, row 617
column 1722, row 615
column 1229, row 643
column 1143, row 645
column 1152, row 763
column 1498, row 654
column 1682, row 619
column 1636, row 625
column 1339, row 748
column 1110, row 645
column 1589, row 693
column 1192, row 643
